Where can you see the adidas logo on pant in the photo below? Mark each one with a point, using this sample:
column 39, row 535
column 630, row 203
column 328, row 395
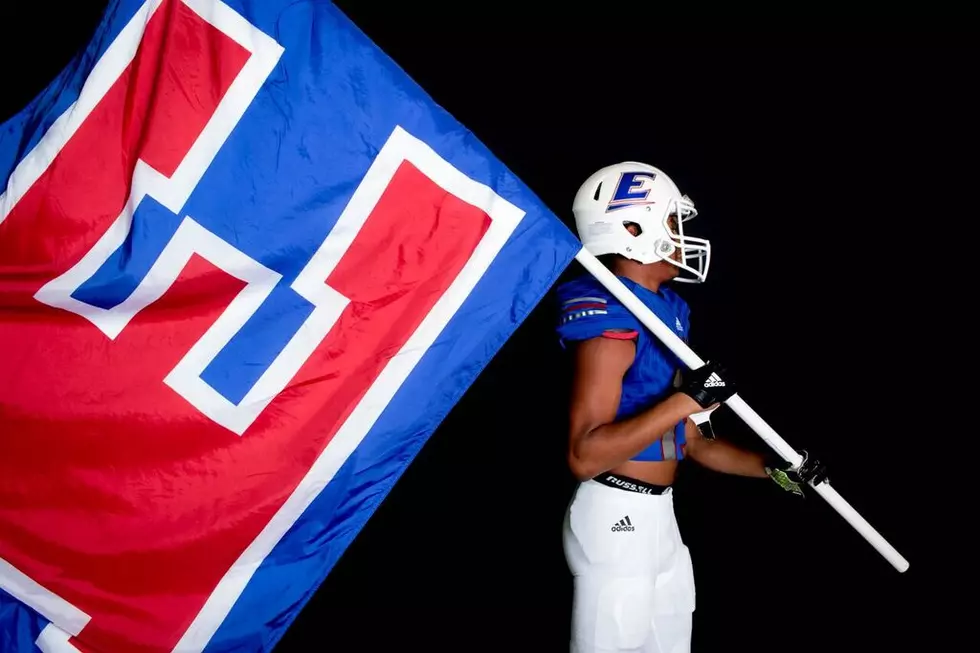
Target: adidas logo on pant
column 624, row 524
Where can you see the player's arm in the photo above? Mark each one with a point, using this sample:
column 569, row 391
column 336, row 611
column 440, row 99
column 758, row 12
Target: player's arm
column 721, row 456
column 597, row 443
column 726, row 458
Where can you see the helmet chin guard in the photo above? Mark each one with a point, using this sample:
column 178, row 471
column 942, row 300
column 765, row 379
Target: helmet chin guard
column 635, row 210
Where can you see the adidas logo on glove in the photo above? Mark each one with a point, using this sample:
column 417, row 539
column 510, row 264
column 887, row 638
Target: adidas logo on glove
column 707, row 386
column 714, row 381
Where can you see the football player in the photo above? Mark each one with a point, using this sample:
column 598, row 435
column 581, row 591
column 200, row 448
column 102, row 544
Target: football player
column 634, row 415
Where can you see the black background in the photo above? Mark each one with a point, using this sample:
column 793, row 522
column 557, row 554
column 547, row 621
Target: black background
column 824, row 166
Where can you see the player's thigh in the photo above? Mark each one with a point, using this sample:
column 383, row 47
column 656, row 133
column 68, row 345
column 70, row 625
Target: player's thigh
column 674, row 606
column 625, row 615
column 671, row 633
column 612, row 614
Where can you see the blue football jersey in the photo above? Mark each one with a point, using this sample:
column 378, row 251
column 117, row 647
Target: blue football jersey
column 587, row 310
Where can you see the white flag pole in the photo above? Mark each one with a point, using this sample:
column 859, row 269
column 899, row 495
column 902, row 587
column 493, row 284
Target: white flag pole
column 737, row 404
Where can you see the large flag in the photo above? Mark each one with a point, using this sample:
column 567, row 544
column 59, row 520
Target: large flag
column 247, row 266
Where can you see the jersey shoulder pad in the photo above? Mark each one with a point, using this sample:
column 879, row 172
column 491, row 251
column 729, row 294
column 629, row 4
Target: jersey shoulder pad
column 587, row 310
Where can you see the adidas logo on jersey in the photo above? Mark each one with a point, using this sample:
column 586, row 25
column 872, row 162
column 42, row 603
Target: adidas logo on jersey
column 714, row 381
column 677, row 324
column 623, row 525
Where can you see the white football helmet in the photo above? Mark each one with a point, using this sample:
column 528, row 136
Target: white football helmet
column 637, row 193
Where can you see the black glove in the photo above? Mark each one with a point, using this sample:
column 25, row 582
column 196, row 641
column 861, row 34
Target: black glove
column 790, row 478
column 707, row 385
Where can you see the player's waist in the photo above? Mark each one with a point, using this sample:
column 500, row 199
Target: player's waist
column 629, row 484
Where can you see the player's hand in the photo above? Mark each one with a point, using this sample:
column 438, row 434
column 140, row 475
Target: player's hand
column 708, row 385
column 791, row 479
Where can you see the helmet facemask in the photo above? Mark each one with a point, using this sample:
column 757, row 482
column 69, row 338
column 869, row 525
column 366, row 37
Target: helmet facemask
column 695, row 253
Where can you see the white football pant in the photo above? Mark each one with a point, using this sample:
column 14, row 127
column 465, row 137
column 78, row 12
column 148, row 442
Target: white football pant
column 633, row 578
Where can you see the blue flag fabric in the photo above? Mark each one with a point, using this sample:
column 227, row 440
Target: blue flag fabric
column 247, row 266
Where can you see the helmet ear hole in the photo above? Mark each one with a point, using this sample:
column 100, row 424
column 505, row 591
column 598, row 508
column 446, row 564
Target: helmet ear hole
column 633, row 228
column 598, row 189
